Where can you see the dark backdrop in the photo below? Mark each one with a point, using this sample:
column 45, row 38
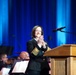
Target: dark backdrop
column 24, row 14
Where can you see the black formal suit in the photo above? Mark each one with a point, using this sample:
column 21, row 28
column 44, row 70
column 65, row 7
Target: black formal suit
column 36, row 57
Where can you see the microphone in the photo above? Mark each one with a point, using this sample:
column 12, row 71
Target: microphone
column 58, row 29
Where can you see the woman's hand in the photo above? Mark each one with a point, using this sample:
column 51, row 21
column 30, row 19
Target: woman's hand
column 41, row 41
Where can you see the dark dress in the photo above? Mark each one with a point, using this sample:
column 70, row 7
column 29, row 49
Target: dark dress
column 37, row 63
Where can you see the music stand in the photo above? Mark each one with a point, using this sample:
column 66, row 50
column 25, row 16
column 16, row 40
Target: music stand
column 20, row 67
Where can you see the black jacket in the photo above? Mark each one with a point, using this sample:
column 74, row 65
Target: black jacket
column 35, row 60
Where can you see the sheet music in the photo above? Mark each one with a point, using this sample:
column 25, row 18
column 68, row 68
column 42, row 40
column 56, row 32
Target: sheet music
column 5, row 71
column 20, row 67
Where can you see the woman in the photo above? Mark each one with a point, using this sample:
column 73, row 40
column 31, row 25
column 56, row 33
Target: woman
column 36, row 48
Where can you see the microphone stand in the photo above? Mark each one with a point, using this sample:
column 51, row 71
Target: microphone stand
column 68, row 32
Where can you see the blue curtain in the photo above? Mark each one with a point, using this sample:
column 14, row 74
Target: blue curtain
column 63, row 20
column 72, row 35
column 24, row 14
column 3, row 22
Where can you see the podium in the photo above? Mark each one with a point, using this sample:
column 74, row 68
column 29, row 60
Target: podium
column 63, row 59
